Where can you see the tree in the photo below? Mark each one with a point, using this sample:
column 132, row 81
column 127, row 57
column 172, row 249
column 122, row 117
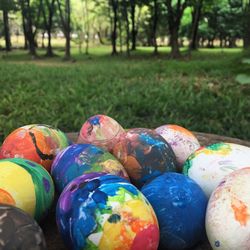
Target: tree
column 31, row 12
column 196, row 16
column 6, row 6
column 48, row 10
column 155, row 23
column 114, row 19
column 102, row 14
column 222, row 21
column 133, row 31
column 65, row 13
column 175, row 13
column 125, row 17
column 246, row 24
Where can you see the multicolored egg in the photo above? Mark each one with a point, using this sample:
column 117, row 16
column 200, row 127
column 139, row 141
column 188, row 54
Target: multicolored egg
column 19, row 231
column 27, row 185
column 144, row 154
column 104, row 213
column 102, row 131
column 180, row 207
column 38, row 143
column 228, row 216
column 209, row 165
column 79, row 159
column 182, row 141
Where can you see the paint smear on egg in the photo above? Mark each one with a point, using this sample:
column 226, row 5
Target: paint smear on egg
column 240, row 211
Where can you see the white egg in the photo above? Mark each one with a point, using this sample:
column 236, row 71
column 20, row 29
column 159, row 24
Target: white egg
column 209, row 165
column 228, row 213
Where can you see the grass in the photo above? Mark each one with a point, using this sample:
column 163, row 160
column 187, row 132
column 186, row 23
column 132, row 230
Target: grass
column 199, row 93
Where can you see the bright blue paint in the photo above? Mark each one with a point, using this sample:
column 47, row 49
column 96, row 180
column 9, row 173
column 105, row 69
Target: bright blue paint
column 180, row 206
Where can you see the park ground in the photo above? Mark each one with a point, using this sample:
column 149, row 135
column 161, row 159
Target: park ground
column 198, row 92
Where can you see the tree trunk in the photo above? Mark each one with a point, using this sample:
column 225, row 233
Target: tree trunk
column 32, row 45
column 134, row 31
column 114, row 31
column 67, row 55
column 43, row 35
column 28, row 27
column 49, row 47
column 196, row 15
column 68, row 30
column 155, row 22
column 24, row 32
column 6, row 30
column 247, row 40
column 87, row 28
column 232, row 42
column 120, row 34
column 125, row 15
column 100, row 37
column 48, row 24
column 31, row 40
column 175, row 14
column 66, row 26
column 175, row 50
column 246, row 36
column 87, row 43
column 221, row 42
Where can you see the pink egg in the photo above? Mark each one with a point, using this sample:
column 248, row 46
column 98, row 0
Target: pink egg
column 101, row 131
column 182, row 141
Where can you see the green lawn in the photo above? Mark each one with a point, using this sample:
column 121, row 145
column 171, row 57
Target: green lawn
column 199, row 93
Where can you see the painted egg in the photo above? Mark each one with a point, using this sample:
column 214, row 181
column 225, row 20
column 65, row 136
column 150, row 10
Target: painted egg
column 38, row 143
column 106, row 212
column 180, row 207
column 79, row 159
column 19, row 231
column 144, row 154
column 228, row 217
column 209, row 165
column 27, row 185
column 102, row 131
column 182, row 141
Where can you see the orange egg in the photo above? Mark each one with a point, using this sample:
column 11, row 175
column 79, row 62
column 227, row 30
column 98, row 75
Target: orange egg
column 39, row 143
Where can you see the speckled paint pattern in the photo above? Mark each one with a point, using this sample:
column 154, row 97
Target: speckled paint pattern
column 228, row 212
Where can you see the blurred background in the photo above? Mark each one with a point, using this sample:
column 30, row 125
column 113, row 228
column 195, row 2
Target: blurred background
column 143, row 62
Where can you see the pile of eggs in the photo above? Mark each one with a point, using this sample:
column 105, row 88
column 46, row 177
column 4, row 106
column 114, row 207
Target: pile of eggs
column 121, row 189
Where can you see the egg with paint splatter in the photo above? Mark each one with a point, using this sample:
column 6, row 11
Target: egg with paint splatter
column 228, row 216
column 209, row 165
column 102, row 131
column 19, row 231
column 37, row 142
column 106, row 212
column 80, row 159
column 27, row 185
column 182, row 141
column 180, row 207
column 144, row 154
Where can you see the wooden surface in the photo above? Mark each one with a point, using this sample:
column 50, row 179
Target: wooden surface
column 52, row 236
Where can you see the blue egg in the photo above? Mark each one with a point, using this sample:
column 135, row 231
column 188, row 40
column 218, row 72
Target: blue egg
column 180, row 207
column 79, row 159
